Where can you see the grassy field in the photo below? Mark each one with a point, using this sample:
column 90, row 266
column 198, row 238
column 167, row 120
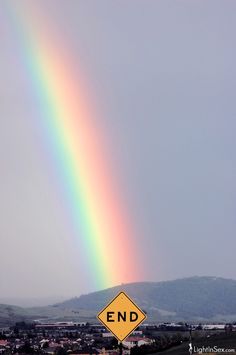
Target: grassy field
column 9, row 315
column 221, row 340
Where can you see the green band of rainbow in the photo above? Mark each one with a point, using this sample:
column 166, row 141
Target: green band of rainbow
column 79, row 150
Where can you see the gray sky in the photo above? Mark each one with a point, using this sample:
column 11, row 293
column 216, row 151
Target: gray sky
column 163, row 73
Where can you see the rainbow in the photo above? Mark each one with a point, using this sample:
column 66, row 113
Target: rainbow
column 78, row 147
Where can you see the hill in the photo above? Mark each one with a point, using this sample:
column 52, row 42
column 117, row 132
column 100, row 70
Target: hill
column 10, row 314
column 195, row 299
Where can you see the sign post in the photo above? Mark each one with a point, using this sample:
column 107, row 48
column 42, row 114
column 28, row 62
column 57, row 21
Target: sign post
column 121, row 316
column 120, row 347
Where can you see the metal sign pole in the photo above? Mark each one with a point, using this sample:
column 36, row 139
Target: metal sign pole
column 120, row 348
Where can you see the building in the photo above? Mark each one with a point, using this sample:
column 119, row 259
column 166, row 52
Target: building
column 132, row 341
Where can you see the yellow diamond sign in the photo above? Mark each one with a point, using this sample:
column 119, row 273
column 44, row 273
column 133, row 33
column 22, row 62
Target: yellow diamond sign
column 121, row 316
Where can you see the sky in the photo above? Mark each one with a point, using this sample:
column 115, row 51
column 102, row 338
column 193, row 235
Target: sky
column 162, row 75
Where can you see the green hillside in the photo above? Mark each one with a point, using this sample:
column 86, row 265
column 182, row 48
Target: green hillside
column 190, row 298
column 11, row 314
column 196, row 299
